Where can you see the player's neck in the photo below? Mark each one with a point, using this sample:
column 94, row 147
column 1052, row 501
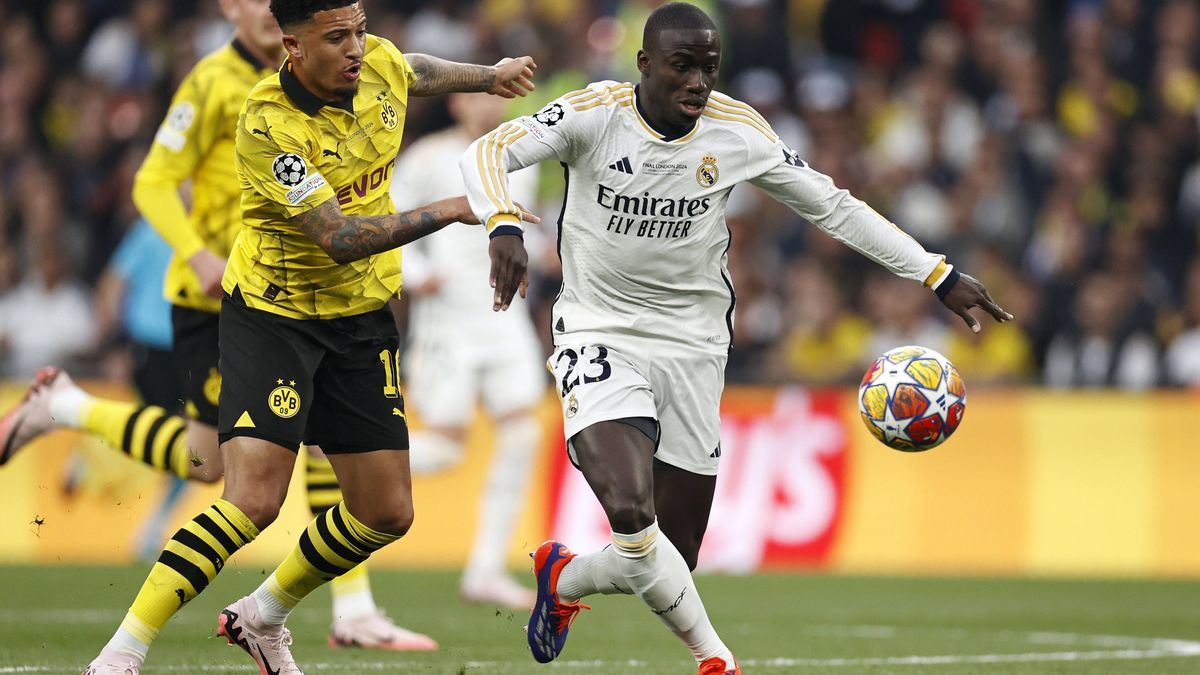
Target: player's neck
column 266, row 58
column 655, row 116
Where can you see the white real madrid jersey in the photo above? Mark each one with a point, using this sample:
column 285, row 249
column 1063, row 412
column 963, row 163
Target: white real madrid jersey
column 457, row 256
column 642, row 235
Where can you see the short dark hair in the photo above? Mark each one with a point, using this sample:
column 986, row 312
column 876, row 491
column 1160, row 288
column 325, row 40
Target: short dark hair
column 292, row 12
column 675, row 15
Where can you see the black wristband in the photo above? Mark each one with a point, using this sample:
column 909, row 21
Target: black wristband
column 943, row 288
column 506, row 229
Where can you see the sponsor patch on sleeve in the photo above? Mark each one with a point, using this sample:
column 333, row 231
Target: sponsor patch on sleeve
column 179, row 119
column 309, row 185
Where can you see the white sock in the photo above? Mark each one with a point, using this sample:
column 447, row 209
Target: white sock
column 270, row 609
column 598, row 572
column 123, row 641
column 353, row 605
column 69, row 406
column 352, row 596
column 500, row 504
column 660, row 577
column 431, row 452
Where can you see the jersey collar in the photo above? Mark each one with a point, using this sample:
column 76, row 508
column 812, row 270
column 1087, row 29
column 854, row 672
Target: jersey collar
column 246, row 55
column 641, row 112
column 304, row 99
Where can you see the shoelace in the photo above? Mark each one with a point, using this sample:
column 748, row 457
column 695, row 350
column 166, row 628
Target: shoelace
column 566, row 613
column 284, row 639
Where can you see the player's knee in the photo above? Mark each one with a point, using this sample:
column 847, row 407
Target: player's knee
column 394, row 520
column 262, row 510
column 631, row 515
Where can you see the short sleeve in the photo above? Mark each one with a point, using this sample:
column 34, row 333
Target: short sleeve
column 277, row 163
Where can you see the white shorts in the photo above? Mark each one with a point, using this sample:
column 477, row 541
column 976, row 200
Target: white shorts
column 447, row 373
column 679, row 387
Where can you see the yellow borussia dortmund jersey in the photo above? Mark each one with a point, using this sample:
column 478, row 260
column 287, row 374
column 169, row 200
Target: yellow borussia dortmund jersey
column 295, row 152
column 195, row 143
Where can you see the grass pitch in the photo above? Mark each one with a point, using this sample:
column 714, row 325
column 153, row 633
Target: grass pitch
column 54, row 620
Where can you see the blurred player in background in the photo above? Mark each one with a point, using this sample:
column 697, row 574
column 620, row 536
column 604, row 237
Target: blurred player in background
column 307, row 344
column 195, row 145
column 644, row 322
column 449, row 368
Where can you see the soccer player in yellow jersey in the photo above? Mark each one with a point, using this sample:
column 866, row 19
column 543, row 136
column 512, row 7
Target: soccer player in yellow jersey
column 307, row 346
column 195, row 144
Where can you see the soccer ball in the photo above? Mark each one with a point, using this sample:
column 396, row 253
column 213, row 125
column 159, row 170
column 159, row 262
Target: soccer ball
column 912, row 399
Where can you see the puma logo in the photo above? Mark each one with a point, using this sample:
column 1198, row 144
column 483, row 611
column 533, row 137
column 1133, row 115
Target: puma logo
column 332, row 153
column 183, row 599
column 265, row 134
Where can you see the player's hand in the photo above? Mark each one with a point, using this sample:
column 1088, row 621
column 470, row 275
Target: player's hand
column 969, row 293
column 509, row 273
column 514, row 77
column 209, row 268
column 460, row 212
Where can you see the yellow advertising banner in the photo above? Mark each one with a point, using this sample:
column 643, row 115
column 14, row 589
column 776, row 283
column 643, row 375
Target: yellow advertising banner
column 1034, row 482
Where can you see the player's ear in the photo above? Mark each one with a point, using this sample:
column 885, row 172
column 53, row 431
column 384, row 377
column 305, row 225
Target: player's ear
column 292, row 45
column 643, row 62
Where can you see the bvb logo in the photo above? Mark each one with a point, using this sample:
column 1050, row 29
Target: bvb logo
column 707, row 173
column 212, row 387
column 284, row 401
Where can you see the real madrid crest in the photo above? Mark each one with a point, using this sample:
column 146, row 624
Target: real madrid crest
column 707, row 173
column 572, row 406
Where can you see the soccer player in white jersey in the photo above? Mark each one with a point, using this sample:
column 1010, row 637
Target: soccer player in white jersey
column 449, row 368
column 642, row 325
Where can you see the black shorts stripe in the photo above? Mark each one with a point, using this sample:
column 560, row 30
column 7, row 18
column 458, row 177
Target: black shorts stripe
column 324, row 486
column 340, row 524
column 127, row 437
column 186, row 569
column 215, row 530
column 336, row 546
column 194, row 542
column 241, row 535
column 316, row 559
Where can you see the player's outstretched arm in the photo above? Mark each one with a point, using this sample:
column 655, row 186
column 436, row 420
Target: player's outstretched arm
column 847, row 219
column 509, row 78
column 962, row 292
column 346, row 238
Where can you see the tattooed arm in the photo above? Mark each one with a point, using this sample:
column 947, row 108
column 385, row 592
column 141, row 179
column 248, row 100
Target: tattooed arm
column 349, row 238
column 508, row 78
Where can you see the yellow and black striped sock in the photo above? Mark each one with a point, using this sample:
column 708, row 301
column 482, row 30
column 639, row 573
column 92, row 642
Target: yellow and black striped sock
column 191, row 559
column 145, row 433
column 333, row 543
column 354, row 587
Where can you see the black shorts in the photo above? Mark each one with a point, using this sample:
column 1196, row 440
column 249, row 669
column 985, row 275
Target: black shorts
column 196, row 361
column 326, row 382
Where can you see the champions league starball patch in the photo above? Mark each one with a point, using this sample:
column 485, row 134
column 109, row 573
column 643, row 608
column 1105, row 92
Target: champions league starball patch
column 289, row 169
column 550, row 115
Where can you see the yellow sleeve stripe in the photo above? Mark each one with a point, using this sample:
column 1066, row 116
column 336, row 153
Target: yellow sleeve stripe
column 738, row 105
column 716, row 113
column 501, row 184
column 606, row 96
column 607, row 101
column 479, row 162
column 493, row 176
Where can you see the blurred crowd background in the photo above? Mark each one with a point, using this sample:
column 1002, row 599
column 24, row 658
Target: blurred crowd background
column 1048, row 148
